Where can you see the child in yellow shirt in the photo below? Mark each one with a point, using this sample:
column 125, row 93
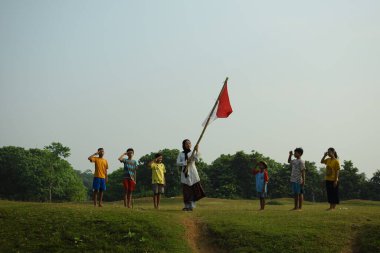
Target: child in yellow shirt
column 158, row 178
column 100, row 175
column 332, row 177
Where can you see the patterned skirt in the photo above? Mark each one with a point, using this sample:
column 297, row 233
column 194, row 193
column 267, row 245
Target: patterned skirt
column 193, row 193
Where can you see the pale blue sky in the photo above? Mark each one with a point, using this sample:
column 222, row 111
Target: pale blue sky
column 144, row 74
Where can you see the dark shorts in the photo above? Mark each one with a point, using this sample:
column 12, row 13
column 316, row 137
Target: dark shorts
column 99, row 184
column 158, row 188
column 261, row 195
column 332, row 192
column 297, row 188
column 129, row 184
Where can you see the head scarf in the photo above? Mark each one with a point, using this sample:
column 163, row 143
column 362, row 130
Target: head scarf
column 185, row 150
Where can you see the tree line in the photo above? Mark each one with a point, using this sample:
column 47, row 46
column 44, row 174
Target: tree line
column 39, row 174
column 45, row 175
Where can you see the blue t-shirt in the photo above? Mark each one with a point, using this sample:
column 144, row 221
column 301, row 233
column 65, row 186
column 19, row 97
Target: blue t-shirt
column 130, row 167
column 260, row 182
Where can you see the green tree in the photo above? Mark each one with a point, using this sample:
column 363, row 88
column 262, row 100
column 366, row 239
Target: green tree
column 55, row 166
column 374, row 186
column 279, row 181
column 241, row 164
column 222, row 182
column 230, row 176
column 314, row 183
column 351, row 182
column 87, row 177
column 58, row 150
column 18, row 174
column 115, row 189
column 37, row 175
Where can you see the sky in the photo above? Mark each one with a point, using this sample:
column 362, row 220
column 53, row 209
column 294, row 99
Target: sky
column 145, row 74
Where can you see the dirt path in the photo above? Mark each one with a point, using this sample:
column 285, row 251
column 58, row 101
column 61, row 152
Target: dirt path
column 351, row 246
column 197, row 237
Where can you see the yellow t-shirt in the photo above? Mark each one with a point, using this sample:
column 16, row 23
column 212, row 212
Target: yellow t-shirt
column 101, row 166
column 332, row 166
column 158, row 170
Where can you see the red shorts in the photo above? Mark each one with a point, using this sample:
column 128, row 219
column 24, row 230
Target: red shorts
column 129, row 184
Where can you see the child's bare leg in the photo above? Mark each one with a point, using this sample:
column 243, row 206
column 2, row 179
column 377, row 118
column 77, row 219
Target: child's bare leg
column 100, row 198
column 95, row 196
column 154, row 201
column 158, row 199
column 295, row 202
column 129, row 196
column 125, row 198
column 263, row 203
column 300, row 201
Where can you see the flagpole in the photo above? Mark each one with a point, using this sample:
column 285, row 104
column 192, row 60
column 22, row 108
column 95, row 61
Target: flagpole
column 204, row 128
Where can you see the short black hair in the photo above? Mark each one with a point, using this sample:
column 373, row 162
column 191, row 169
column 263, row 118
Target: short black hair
column 157, row 155
column 299, row 150
column 130, row 149
column 100, row 149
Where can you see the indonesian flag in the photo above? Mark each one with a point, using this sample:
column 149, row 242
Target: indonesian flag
column 223, row 108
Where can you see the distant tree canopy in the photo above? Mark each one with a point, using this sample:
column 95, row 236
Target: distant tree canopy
column 44, row 175
column 39, row 175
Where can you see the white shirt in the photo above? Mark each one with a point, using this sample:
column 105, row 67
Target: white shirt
column 192, row 169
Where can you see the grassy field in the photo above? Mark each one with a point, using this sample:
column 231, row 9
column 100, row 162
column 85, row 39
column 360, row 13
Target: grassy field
column 216, row 226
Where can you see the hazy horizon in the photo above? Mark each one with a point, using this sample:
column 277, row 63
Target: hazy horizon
column 144, row 74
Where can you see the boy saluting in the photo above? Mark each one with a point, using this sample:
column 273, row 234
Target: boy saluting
column 158, row 178
column 100, row 175
column 129, row 181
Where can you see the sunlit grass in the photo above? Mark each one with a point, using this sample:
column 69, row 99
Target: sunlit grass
column 34, row 227
column 232, row 225
column 238, row 226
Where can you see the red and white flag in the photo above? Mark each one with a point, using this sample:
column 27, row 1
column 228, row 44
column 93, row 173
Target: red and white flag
column 223, row 108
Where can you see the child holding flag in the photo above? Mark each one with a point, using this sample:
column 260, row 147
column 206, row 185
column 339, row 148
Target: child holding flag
column 261, row 174
column 129, row 181
column 191, row 186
